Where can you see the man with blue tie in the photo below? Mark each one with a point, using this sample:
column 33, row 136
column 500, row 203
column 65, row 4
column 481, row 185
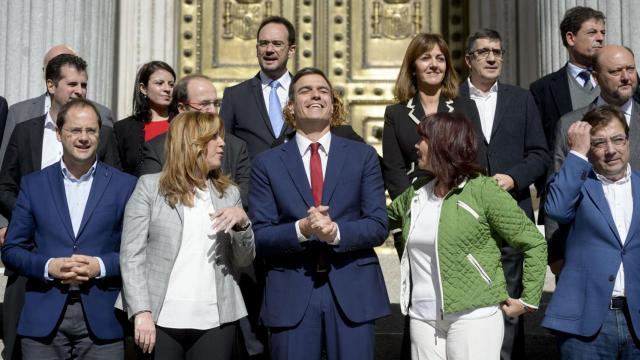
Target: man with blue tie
column 595, row 307
column 318, row 208
column 64, row 236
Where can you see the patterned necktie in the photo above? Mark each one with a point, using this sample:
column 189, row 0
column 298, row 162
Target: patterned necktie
column 586, row 76
column 275, row 109
column 315, row 167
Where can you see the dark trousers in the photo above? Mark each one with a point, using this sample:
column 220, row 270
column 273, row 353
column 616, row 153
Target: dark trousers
column 11, row 309
column 191, row 344
column 513, row 342
column 71, row 340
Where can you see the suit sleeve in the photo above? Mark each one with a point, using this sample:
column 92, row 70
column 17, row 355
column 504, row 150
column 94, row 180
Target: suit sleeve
column 564, row 189
column 560, row 147
column 9, row 179
column 8, row 130
column 150, row 160
column 395, row 212
column 536, row 155
column 273, row 237
column 109, row 148
column 133, row 254
column 243, row 242
column 393, row 164
column 243, row 173
column 17, row 252
column 226, row 111
column 371, row 229
column 513, row 225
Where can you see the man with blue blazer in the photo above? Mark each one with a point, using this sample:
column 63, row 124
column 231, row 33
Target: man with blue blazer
column 64, row 236
column 595, row 309
column 318, row 209
column 515, row 149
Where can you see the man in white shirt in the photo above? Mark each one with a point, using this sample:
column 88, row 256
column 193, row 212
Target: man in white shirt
column 516, row 151
column 595, row 307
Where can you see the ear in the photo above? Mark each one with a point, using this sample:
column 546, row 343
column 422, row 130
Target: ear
column 467, row 60
column 59, row 134
column 51, row 87
column 181, row 108
column 142, row 88
column 291, row 51
column 571, row 38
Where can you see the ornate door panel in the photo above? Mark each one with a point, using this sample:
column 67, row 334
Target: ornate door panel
column 359, row 44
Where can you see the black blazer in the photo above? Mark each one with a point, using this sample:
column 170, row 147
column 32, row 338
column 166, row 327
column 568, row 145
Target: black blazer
column 399, row 158
column 4, row 109
column 518, row 147
column 130, row 138
column 235, row 161
column 245, row 116
column 24, row 156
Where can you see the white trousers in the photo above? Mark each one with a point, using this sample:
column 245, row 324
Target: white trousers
column 477, row 339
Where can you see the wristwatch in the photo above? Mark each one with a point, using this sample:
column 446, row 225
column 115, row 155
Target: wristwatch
column 237, row 227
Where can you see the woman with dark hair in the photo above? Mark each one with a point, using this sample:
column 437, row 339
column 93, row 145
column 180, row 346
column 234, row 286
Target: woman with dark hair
column 427, row 83
column 184, row 238
column 151, row 112
column 453, row 222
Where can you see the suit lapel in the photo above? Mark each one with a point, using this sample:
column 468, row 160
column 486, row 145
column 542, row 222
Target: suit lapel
column 560, row 91
column 634, row 136
column 416, row 112
column 36, row 134
column 335, row 163
column 259, row 99
column 445, row 105
column 293, row 163
column 501, row 105
column 101, row 179
column 59, row 197
column 635, row 217
column 595, row 191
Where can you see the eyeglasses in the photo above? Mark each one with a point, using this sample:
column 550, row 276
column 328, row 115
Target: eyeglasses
column 276, row 44
column 75, row 132
column 204, row 105
column 600, row 143
column 484, row 53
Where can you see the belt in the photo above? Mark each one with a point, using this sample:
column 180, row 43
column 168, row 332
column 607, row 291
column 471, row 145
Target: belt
column 618, row 303
column 73, row 297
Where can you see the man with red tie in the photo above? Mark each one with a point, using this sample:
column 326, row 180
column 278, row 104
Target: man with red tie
column 318, row 208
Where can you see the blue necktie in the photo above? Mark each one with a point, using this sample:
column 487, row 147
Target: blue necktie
column 275, row 109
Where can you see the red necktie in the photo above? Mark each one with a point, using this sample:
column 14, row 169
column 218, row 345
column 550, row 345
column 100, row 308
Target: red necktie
column 315, row 167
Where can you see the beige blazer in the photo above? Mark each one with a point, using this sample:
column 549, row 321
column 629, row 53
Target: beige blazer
column 151, row 236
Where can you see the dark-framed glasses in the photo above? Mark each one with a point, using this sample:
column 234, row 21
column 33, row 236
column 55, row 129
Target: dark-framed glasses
column 483, row 53
column 276, row 44
column 205, row 105
column 602, row 143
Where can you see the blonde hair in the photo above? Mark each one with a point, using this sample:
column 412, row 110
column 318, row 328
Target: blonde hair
column 185, row 167
column 406, row 87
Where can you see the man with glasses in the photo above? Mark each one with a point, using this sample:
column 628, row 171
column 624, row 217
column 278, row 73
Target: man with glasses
column 252, row 110
column 516, row 151
column 197, row 93
column 64, row 237
column 595, row 309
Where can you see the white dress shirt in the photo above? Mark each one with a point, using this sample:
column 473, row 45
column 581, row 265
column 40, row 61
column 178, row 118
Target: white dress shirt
column 283, row 89
column 575, row 70
column 626, row 108
column 191, row 299
column 51, row 147
column 486, row 104
column 304, row 146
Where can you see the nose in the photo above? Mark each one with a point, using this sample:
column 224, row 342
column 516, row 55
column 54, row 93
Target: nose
column 599, row 36
column 417, row 145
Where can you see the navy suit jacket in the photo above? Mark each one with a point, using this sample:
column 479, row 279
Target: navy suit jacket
column 41, row 229
column 518, row 146
column 280, row 195
column 245, row 115
column 593, row 253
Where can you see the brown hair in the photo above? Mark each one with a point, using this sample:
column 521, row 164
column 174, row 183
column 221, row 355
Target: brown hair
column 185, row 167
column 406, row 86
column 339, row 115
column 79, row 103
column 452, row 147
column 600, row 117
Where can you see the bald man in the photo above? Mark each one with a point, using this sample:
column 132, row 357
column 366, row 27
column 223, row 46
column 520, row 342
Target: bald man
column 38, row 106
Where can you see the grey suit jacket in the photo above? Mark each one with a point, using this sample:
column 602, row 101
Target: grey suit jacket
column 151, row 237
column 33, row 108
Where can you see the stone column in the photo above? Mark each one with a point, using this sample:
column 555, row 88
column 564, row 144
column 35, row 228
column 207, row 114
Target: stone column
column 621, row 26
column 28, row 28
column 148, row 30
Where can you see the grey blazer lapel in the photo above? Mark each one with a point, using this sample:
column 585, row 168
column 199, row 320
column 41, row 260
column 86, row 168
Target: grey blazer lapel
column 634, row 137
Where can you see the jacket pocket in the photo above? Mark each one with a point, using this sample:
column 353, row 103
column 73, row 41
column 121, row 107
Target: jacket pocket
column 468, row 208
column 479, row 269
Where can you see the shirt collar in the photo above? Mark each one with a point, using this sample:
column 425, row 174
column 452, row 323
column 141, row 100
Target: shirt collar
column 284, row 80
column 574, row 70
column 625, row 108
column 49, row 123
column 47, row 102
column 303, row 143
column 69, row 176
column 626, row 178
column 477, row 92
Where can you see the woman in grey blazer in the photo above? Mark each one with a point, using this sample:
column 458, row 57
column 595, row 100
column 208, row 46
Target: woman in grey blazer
column 184, row 238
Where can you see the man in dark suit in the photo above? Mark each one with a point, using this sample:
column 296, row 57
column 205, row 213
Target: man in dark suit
column 318, row 209
column 33, row 146
column 595, row 308
column 65, row 238
column 38, row 106
column 197, row 93
column 252, row 110
column 516, row 151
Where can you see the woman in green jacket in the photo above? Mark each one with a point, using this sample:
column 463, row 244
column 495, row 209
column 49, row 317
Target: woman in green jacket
column 453, row 224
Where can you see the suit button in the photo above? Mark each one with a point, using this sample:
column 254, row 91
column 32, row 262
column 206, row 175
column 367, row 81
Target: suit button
column 611, row 277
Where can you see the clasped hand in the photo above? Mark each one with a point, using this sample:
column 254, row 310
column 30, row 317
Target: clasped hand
column 75, row 269
column 319, row 223
column 227, row 218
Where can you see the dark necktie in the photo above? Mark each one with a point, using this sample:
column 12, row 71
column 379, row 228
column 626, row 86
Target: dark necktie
column 315, row 170
column 586, row 76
